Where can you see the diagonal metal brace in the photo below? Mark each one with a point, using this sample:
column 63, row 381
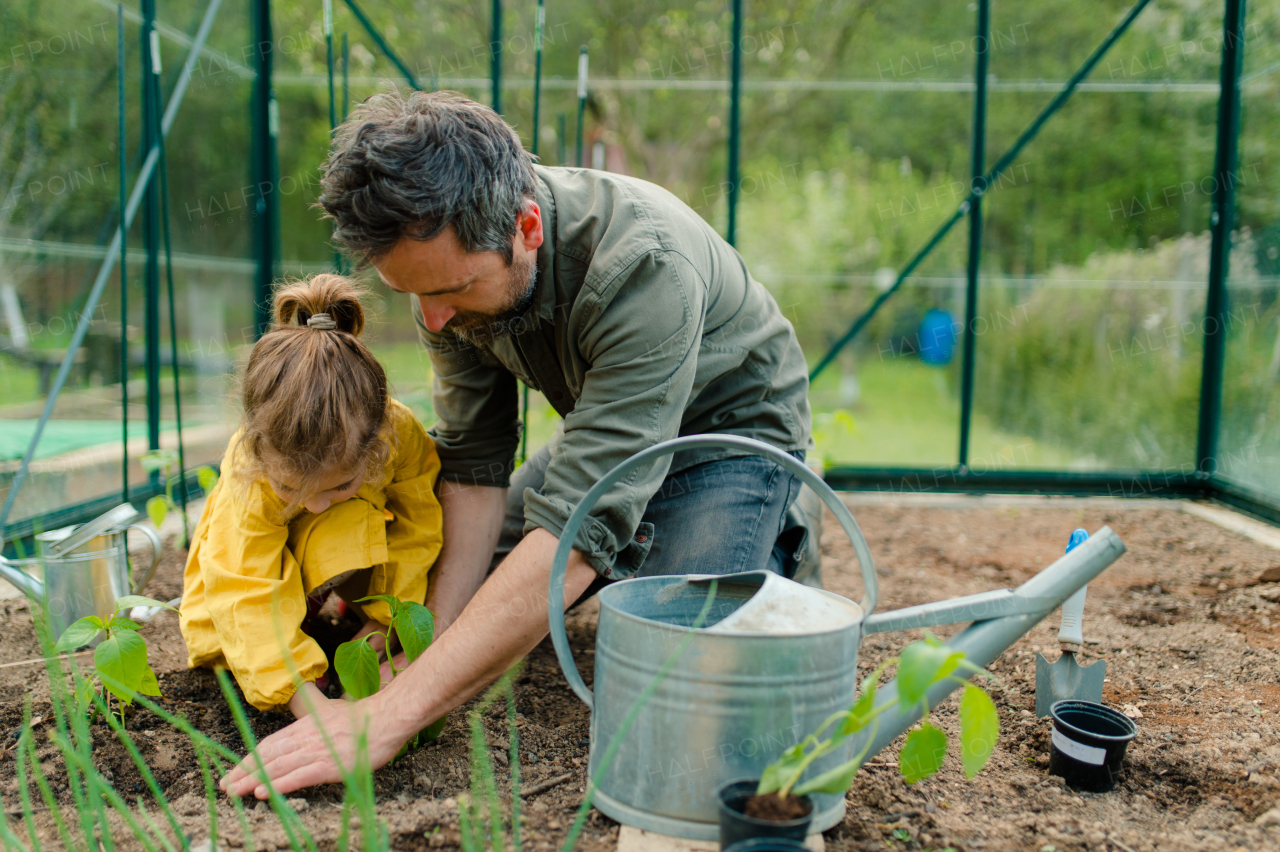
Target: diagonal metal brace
column 981, row 185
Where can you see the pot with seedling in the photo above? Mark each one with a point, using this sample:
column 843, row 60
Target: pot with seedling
column 779, row 803
column 772, row 677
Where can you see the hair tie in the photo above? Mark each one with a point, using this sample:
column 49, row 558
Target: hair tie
column 323, row 322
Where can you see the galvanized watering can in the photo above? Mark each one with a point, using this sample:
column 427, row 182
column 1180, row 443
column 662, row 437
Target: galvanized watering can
column 731, row 700
column 86, row 568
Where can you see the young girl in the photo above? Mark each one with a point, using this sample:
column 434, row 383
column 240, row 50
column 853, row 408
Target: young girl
column 328, row 486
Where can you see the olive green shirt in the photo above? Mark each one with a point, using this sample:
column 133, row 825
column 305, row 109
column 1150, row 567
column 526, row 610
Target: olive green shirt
column 645, row 326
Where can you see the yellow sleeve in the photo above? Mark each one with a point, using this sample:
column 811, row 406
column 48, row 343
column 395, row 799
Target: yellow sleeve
column 414, row 535
column 255, row 598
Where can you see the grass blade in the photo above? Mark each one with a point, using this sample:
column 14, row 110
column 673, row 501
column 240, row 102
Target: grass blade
column 210, row 793
column 513, row 740
column 147, row 775
column 289, row 820
column 42, row 784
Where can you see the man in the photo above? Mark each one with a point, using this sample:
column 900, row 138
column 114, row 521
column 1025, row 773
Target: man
column 635, row 320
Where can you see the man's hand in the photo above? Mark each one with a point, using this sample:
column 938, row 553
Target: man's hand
column 503, row 622
column 298, row 756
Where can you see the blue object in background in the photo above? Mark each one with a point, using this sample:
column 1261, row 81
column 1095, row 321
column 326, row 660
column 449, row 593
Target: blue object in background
column 937, row 337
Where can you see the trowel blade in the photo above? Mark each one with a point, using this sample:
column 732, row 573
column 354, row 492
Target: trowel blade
column 1066, row 679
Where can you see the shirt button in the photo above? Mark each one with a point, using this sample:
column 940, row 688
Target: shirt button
column 642, row 538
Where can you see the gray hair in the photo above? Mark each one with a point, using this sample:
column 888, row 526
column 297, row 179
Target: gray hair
column 413, row 166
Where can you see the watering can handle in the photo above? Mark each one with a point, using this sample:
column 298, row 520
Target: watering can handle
column 156, row 549
column 560, row 564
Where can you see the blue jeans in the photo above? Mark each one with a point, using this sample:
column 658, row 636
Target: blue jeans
column 720, row 517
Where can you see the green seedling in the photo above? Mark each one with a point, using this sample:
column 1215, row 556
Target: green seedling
column 120, row 660
column 159, row 507
column 357, row 662
column 921, row 665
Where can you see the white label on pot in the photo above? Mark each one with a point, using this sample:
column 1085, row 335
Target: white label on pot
column 1080, row 751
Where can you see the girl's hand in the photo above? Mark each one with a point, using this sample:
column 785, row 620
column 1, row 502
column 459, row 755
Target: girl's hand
column 378, row 639
column 307, row 699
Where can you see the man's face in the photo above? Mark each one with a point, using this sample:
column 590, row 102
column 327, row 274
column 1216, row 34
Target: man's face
column 474, row 295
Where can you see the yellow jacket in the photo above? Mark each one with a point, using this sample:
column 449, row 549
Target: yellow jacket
column 250, row 568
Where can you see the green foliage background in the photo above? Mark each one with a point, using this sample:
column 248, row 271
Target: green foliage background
column 856, row 144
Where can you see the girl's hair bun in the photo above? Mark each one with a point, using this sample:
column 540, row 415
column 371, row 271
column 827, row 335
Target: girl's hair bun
column 334, row 295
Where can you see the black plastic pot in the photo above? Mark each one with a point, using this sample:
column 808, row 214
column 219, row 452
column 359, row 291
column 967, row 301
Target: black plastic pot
column 1088, row 744
column 767, row 844
column 736, row 826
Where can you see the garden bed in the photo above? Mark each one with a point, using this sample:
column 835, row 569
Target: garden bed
column 1189, row 644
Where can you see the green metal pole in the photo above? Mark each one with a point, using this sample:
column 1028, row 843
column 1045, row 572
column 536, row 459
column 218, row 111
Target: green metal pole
column 346, row 81
column 333, row 110
column 381, row 42
column 495, row 63
column 996, row 170
column 735, row 122
column 562, row 146
column 163, row 170
column 538, row 24
column 537, row 102
column 121, row 144
column 1220, row 221
column 263, row 157
column 328, row 44
column 983, row 40
column 151, row 225
column 582, row 100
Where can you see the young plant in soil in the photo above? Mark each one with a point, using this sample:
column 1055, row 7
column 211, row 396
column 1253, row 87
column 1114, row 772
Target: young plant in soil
column 357, row 662
column 120, row 661
column 159, row 507
column 921, row 665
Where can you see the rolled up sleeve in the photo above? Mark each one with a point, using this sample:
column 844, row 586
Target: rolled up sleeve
column 640, row 334
column 255, row 600
column 476, row 401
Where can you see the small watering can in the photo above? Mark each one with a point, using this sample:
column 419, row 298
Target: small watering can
column 677, row 712
column 86, row 568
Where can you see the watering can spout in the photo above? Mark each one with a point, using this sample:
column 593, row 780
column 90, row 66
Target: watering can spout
column 24, row 582
column 85, row 569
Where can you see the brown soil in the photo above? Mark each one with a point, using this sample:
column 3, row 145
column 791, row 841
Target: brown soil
column 775, row 808
column 1189, row 644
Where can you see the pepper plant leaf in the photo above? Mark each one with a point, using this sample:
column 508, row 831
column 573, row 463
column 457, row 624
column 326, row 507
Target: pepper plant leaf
column 130, row 601
column 863, row 710
column 157, row 509
column 79, row 633
column 923, row 664
column 121, row 661
column 782, row 771
column 922, row 754
column 207, row 477
column 416, row 627
column 122, row 623
column 836, row 781
column 979, row 728
column 149, row 685
column 357, row 666
column 435, row 729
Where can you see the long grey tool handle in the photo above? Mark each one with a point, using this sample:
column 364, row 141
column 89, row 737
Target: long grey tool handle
column 984, row 641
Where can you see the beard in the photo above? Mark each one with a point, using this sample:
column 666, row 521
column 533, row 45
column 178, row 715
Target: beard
column 481, row 328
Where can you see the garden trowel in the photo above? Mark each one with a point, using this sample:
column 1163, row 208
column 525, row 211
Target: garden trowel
column 1066, row 678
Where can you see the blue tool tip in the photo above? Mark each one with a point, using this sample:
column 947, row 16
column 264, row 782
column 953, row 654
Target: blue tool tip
column 1077, row 538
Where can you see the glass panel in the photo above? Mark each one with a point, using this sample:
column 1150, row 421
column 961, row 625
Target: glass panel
column 1095, row 248
column 1249, row 439
column 61, row 177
